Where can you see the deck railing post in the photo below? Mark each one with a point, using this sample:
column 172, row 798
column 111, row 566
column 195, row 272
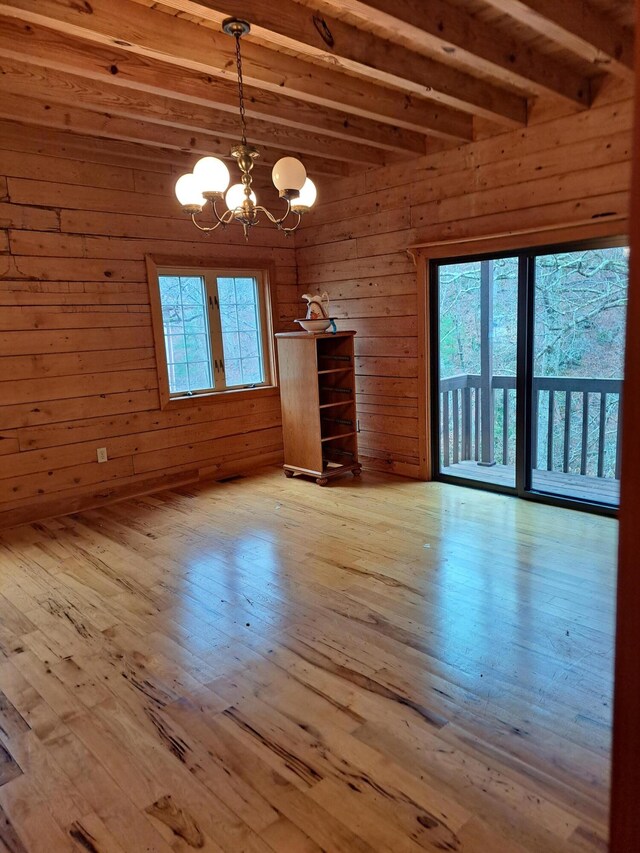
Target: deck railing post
column 466, row 422
column 486, row 363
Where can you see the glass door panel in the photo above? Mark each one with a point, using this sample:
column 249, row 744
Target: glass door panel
column 477, row 367
column 578, row 350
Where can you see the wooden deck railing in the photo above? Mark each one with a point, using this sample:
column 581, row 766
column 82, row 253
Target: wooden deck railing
column 576, row 423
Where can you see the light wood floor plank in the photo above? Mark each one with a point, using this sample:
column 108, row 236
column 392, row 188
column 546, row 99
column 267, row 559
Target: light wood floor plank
column 262, row 665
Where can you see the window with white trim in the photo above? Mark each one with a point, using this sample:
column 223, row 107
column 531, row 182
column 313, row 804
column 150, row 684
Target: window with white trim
column 216, row 330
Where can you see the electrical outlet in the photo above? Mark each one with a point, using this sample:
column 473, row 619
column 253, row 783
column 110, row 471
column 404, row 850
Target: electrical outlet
column 102, row 454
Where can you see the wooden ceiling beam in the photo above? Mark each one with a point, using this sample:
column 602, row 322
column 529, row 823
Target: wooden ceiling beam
column 446, row 31
column 73, row 90
column 153, row 34
column 104, row 125
column 41, row 46
column 578, row 27
column 302, row 32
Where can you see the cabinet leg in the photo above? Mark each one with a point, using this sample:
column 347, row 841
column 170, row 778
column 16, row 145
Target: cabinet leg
column 322, row 481
column 356, row 472
column 288, row 473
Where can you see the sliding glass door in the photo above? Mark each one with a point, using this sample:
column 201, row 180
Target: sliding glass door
column 527, row 371
column 580, row 300
column 477, row 343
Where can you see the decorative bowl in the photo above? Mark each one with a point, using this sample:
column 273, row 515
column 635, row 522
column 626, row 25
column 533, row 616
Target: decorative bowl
column 320, row 325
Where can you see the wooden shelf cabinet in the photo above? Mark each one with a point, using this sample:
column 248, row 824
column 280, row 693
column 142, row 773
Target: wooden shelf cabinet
column 318, row 396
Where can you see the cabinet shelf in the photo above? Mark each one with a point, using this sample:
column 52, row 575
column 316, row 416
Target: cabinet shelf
column 336, row 437
column 335, row 370
column 334, row 357
column 340, row 403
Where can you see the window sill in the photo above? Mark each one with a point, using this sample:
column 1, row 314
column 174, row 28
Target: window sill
column 219, row 397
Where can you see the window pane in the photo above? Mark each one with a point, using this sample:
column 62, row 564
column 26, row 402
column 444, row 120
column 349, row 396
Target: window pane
column 247, row 317
column 198, row 348
column 251, row 371
column 233, row 371
column 245, row 291
column 186, row 333
column 199, row 376
column 231, row 345
column 229, row 318
column 226, row 291
column 248, row 345
column 178, row 376
column 192, row 290
column 169, row 290
column 173, row 320
column 176, row 348
column 241, row 330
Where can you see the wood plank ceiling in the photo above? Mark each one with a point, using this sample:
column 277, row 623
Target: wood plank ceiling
column 344, row 84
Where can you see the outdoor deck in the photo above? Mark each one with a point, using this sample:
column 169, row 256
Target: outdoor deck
column 601, row 489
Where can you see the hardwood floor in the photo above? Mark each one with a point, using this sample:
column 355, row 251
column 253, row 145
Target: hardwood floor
column 261, row 664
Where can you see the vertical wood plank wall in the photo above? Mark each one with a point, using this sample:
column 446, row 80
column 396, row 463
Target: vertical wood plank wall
column 77, row 366
column 558, row 171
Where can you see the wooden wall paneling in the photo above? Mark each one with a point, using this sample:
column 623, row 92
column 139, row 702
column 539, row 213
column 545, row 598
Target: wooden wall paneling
column 583, row 210
column 149, row 227
column 75, row 329
column 70, row 409
column 36, row 367
column 533, row 193
column 165, row 439
column 569, row 172
column 606, row 117
column 95, row 428
column 46, row 340
column 20, row 216
column 24, row 164
column 63, row 387
column 70, row 145
column 8, row 444
column 625, row 776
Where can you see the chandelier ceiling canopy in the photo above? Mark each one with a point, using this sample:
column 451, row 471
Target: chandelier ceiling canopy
column 209, row 181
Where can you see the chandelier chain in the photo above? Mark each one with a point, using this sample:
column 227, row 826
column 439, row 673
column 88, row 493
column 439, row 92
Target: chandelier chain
column 241, row 89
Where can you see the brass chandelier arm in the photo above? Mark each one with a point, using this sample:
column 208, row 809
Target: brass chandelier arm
column 223, row 220
column 279, row 222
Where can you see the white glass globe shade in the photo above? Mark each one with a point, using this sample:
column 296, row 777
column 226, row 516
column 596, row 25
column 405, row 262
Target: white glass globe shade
column 235, row 196
column 212, row 175
column 188, row 191
column 307, row 197
column 289, row 174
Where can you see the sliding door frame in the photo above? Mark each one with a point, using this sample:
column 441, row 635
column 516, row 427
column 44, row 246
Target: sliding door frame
column 524, row 371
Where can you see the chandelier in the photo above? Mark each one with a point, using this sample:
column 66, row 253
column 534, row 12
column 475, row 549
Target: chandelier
column 209, row 181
